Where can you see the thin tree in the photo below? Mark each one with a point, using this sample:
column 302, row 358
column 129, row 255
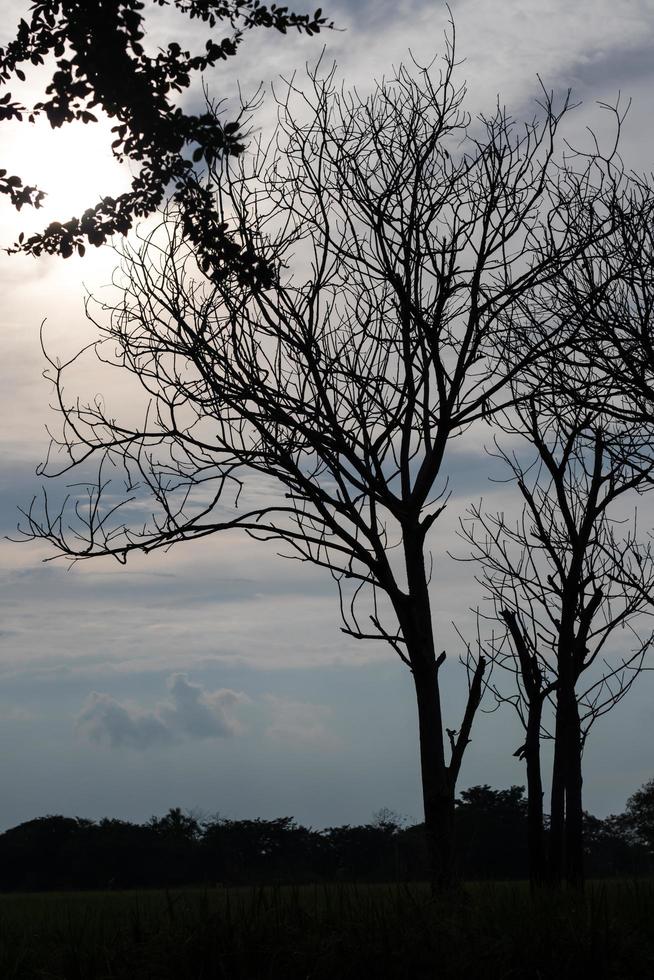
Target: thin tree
column 396, row 239
column 562, row 579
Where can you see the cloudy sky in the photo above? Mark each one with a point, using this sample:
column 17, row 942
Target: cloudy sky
column 215, row 677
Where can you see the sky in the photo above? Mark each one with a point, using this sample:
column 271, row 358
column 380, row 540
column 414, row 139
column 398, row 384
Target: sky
column 215, row 677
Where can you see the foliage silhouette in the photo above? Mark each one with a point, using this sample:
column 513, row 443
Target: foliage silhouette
column 100, row 61
column 56, row 852
column 639, row 815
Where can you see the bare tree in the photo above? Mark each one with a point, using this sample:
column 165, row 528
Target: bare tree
column 402, row 241
column 608, row 294
column 563, row 578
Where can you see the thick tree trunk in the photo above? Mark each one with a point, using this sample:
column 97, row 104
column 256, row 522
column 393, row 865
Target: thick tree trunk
column 438, row 778
column 566, row 828
column 414, row 614
column 438, row 794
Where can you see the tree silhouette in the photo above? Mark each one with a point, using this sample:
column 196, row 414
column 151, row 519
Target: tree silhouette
column 57, row 852
column 563, row 578
column 315, row 407
column 639, row 814
column 176, row 825
column 609, row 296
column 100, row 61
column 492, row 827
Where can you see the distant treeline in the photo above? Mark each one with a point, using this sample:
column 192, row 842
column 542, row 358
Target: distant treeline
column 57, row 852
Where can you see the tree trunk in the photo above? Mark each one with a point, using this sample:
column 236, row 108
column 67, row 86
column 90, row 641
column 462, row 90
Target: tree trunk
column 574, row 814
column 557, row 802
column 566, row 829
column 414, row 614
column 532, row 679
column 438, row 794
column 534, row 795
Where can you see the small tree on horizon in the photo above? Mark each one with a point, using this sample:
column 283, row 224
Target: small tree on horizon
column 639, row 814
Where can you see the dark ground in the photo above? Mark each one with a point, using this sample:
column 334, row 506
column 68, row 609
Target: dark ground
column 335, row 931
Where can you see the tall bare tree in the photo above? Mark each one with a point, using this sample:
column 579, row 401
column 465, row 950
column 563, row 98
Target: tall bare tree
column 563, row 578
column 398, row 242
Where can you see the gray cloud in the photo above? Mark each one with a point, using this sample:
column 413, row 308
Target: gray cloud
column 190, row 712
column 105, row 719
column 199, row 713
column 300, row 722
column 620, row 66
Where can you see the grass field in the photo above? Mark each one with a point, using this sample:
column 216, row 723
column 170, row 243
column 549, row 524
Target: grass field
column 334, row 931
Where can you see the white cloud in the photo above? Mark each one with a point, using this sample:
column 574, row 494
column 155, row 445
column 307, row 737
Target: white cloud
column 191, row 712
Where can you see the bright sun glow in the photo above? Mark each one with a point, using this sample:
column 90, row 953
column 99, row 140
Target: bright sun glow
column 74, row 165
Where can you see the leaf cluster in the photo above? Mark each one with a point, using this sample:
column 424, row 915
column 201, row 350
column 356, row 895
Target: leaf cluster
column 100, row 62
